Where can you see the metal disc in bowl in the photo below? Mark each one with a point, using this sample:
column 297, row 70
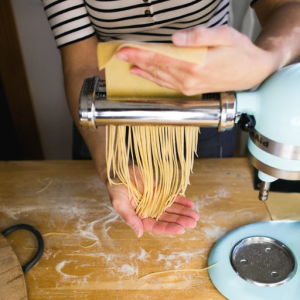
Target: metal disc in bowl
column 263, row 261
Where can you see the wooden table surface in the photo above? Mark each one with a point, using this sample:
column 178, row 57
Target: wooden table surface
column 91, row 254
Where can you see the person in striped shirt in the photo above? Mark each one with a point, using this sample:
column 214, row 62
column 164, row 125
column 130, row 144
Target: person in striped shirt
column 233, row 62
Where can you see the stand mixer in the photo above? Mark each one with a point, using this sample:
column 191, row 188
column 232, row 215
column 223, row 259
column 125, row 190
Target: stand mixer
column 271, row 115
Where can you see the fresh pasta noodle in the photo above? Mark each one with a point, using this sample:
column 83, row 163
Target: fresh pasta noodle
column 153, row 162
column 161, row 160
column 176, row 271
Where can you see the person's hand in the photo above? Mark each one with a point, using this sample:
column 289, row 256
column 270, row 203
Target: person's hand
column 174, row 220
column 232, row 62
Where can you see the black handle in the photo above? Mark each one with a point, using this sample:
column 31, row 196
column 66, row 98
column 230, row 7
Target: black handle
column 39, row 238
column 246, row 122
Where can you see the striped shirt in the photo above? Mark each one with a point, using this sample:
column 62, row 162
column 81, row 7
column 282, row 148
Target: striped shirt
column 138, row 20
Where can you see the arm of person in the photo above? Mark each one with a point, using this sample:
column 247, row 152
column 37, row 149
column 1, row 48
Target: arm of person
column 232, row 62
column 280, row 35
column 80, row 61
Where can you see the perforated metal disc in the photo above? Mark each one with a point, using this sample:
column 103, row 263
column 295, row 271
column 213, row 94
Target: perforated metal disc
column 263, row 261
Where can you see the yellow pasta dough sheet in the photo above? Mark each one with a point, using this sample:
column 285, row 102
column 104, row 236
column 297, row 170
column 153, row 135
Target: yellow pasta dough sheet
column 120, row 83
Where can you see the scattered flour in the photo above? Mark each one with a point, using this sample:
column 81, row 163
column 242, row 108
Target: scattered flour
column 14, row 212
column 86, row 229
column 181, row 258
column 214, row 233
column 127, row 270
column 143, row 256
column 214, row 217
column 79, row 279
column 59, row 268
column 206, row 200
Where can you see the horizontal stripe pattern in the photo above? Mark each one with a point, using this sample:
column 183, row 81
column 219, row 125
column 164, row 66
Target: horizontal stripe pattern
column 69, row 20
column 150, row 21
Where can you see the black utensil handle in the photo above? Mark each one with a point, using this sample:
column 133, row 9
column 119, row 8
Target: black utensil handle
column 39, row 238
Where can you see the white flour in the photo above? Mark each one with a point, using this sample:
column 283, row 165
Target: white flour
column 127, row 270
column 214, row 233
column 118, row 265
column 59, row 268
column 178, row 260
column 206, row 200
column 144, row 255
column 86, row 229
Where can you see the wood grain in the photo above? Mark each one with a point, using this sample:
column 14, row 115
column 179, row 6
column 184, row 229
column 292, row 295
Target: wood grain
column 12, row 281
column 284, row 206
column 91, row 254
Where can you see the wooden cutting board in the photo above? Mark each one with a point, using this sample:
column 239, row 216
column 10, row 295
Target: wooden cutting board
column 12, row 280
column 91, row 254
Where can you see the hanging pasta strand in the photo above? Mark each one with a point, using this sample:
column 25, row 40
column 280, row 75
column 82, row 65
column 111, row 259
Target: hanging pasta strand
column 161, row 159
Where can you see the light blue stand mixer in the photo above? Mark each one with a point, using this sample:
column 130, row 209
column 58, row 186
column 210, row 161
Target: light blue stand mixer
column 258, row 261
column 274, row 143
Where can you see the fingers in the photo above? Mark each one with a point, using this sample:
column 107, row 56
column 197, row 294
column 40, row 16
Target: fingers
column 215, row 74
column 160, row 78
column 136, row 56
column 127, row 213
column 181, row 210
column 184, row 221
column 175, row 219
column 201, row 36
column 184, row 201
column 160, row 227
column 164, row 71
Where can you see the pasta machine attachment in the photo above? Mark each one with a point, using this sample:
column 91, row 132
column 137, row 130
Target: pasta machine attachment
column 271, row 114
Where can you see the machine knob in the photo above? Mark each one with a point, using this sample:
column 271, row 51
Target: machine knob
column 246, row 122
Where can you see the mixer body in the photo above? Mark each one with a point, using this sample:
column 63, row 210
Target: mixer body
column 274, row 144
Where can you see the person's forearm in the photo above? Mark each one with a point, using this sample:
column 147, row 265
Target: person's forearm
column 79, row 62
column 95, row 140
column 280, row 33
